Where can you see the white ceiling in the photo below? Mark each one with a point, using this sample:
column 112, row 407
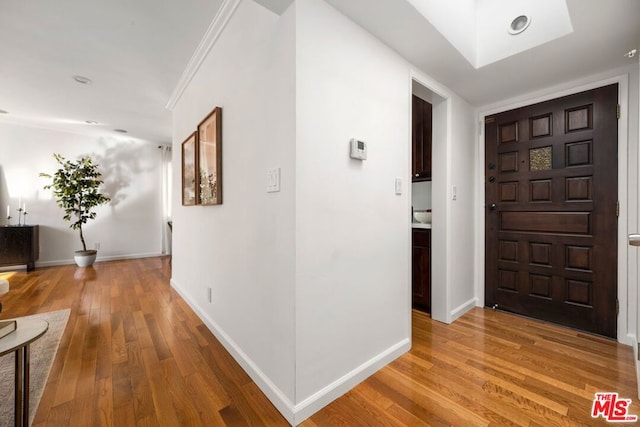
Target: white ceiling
column 133, row 51
column 479, row 29
column 136, row 51
column 603, row 31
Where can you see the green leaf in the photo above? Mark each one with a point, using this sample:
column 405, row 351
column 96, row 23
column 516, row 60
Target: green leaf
column 76, row 188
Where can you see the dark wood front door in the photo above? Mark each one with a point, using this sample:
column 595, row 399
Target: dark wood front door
column 551, row 221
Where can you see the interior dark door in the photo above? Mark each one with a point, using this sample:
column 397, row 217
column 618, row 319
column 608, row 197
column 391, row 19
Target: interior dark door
column 421, row 277
column 421, row 139
column 551, row 222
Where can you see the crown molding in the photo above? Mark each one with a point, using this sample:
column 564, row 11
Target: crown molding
column 216, row 27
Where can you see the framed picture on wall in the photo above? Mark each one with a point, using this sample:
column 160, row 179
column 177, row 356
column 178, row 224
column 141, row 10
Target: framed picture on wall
column 210, row 159
column 189, row 168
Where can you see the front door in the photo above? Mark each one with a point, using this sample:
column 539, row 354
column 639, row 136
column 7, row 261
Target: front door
column 551, row 223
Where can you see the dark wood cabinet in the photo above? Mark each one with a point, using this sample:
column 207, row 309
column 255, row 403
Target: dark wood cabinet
column 421, row 139
column 421, row 288
column 19, row 245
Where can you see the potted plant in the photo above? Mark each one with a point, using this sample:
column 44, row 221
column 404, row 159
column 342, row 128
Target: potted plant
column 76, row 189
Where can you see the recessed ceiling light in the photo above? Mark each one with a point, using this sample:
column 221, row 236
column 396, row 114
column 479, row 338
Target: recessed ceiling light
column 519, row 24
column 120, row 130
column 631, row 53
column 82, row 80
column 4, row 112
column 91, row 122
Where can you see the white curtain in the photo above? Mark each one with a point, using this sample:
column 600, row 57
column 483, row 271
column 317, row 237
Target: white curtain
column 166, row 197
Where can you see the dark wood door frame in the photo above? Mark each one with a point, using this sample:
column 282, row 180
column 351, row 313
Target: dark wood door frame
column 624, row 327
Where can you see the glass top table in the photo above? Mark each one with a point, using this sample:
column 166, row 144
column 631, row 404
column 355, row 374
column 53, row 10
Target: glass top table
column 27, row 331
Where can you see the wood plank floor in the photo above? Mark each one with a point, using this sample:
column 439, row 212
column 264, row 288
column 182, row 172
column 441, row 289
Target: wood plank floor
column 134, row 354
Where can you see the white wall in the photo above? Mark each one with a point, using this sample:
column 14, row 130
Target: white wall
column 453, row 228
column 634, row 216
column 460, row 241
column 632, row 210
column 129, row 226
column 440, row 152
column 352, row 230
column 244, row 249
column 311, row 285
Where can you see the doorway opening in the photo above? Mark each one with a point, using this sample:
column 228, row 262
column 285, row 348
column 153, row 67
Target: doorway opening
column 428, row 196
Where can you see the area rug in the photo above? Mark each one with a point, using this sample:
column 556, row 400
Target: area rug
column 42, row 353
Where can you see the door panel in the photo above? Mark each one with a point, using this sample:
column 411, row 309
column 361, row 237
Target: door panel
column 421, row 137
column 551, row 224
column 421, row 278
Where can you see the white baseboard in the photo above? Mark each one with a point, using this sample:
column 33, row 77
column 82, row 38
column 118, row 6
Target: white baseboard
column 273, row 393
column 331, row 392
column 462, row 309
column 99, row 259
column 633, row 342
column 629, row 339
column 637, row 363
column 295, row 414
column 637, row 372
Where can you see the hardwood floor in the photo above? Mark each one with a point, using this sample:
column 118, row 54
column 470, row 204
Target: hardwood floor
column 134, row 353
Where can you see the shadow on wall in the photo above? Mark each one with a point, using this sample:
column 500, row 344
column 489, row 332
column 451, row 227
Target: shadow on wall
column 4, row 191
column 58, row 243
column 120, row 163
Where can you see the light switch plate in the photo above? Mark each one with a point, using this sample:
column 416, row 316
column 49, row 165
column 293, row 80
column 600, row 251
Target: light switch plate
column 273, row 180
column 398, row 186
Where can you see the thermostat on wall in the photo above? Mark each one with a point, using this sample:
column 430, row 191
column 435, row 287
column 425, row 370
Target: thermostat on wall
column 358, row 149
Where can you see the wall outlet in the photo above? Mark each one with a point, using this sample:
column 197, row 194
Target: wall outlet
column 97, row 246
column 209, row 294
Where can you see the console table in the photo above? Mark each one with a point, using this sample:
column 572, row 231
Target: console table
column 27, row 331
column 19, row 244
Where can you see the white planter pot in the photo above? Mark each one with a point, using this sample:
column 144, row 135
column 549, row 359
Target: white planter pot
column 85, row 258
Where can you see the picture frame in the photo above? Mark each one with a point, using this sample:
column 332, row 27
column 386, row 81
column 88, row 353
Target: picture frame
column 190, row 195
column 209, row 142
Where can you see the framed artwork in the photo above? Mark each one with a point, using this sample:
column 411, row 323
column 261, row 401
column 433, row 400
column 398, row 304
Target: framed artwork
column 210, row 159
column 189, row 168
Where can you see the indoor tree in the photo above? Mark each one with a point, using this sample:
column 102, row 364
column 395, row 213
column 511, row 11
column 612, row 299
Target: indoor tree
column 76, row 189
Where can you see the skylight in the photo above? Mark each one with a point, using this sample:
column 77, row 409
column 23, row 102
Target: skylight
column 481, row 29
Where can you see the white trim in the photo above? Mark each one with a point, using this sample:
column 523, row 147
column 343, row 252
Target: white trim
column 462, row 309
column 428, row 83
column 559, row 91
column 479, row 225
column 98, row 259
column 448, row 210
column 273, row 393
column 210, row 38
column 440, row 300
column 635, row 318
column 75, row 130
column 637, row 363
column 295, row 414
column 409, row 253
column 624, row 328
column 331, row 392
